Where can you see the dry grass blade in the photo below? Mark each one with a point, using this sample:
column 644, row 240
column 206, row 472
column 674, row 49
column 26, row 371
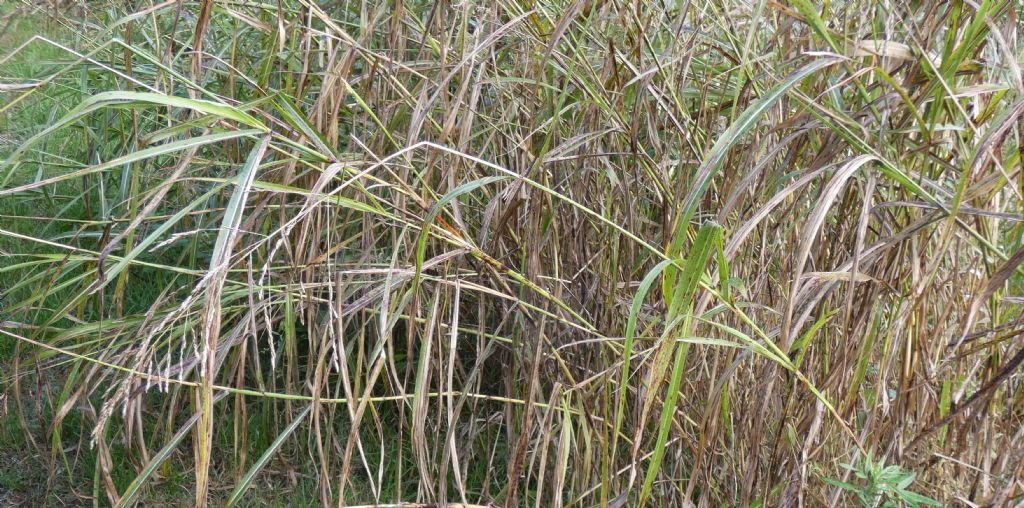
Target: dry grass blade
column 575, row 253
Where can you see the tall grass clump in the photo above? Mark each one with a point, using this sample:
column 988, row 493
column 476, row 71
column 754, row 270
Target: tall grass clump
column 522, row 253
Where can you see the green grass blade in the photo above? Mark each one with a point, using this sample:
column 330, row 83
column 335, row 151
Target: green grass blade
column 696, row 263
column 744, row 124
column 246, row 482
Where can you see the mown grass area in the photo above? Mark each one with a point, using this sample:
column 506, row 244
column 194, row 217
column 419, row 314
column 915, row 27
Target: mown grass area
column 513, row 253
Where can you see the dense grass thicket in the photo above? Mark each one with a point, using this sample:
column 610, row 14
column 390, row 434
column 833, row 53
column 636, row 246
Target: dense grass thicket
column 544, row 253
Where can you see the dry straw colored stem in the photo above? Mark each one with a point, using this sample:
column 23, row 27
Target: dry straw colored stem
column 548, row 253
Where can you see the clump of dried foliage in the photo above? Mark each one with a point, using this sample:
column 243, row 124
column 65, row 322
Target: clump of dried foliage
column 529, row 253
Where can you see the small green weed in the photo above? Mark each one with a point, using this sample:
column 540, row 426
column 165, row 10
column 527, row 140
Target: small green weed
column 882, row 486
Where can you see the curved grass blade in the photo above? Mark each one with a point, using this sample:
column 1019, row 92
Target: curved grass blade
column 627, row 353
column 713, row 160
column 135, row 488
column 421, row 244
column 682, row 300
column 243, row 485
column 146, row 153
column 122, row 99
